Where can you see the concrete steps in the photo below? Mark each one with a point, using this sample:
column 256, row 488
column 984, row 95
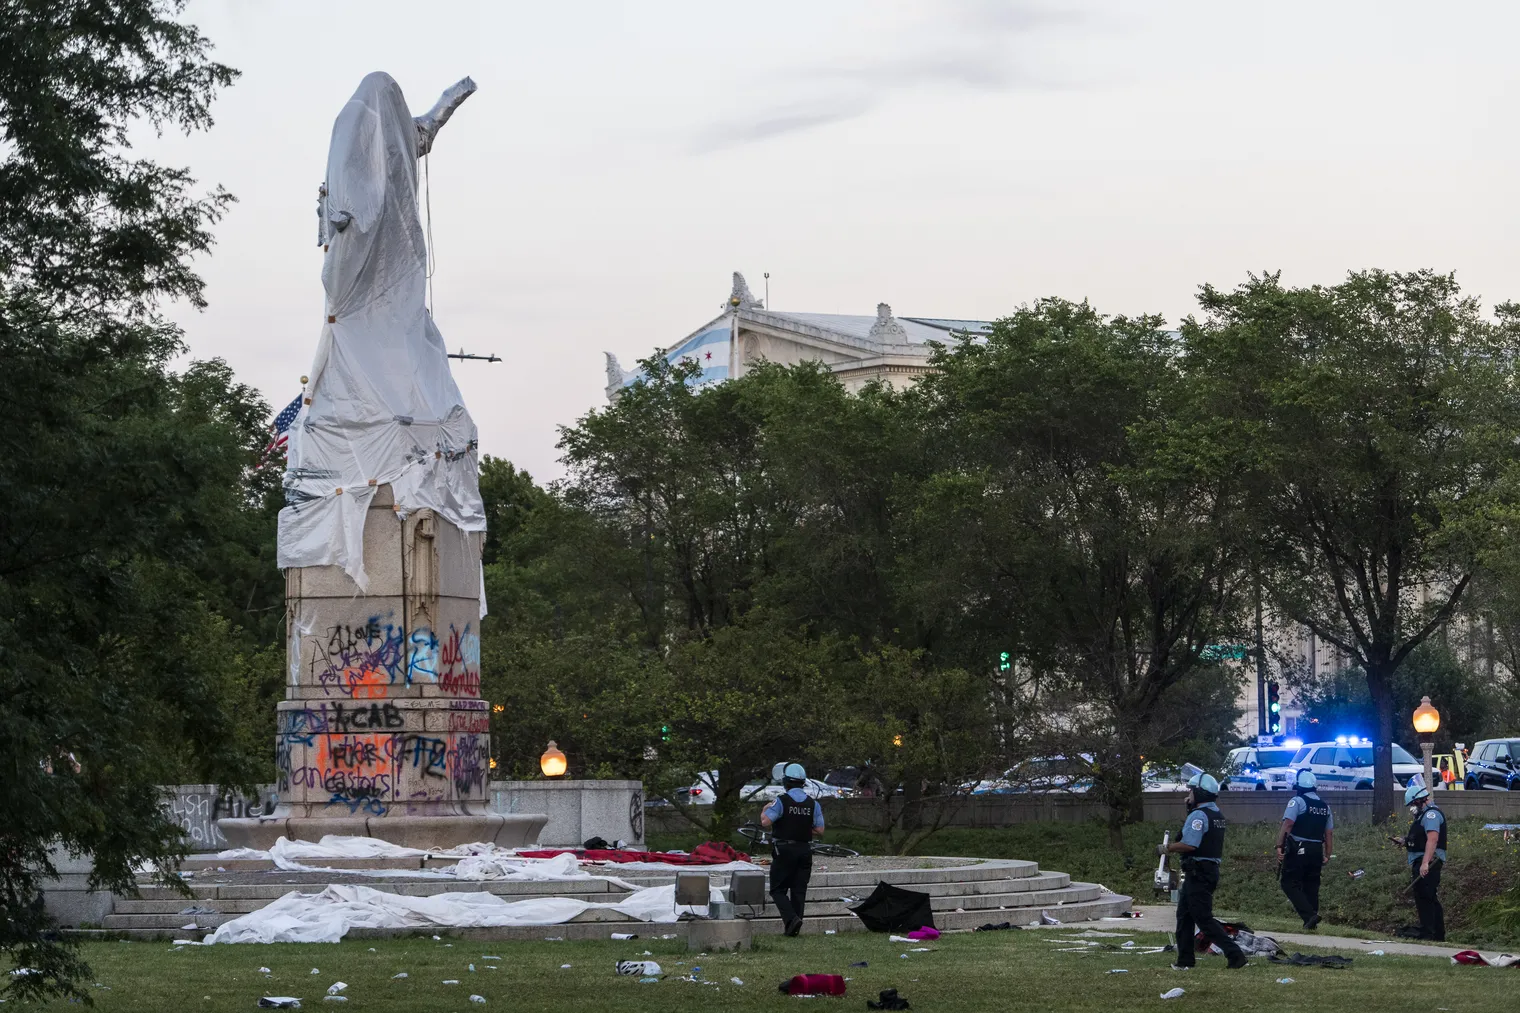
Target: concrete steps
column 963, row 896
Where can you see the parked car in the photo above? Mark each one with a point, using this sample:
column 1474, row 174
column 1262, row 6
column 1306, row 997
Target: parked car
column 1155, row 777
column 704, row 791
column 764, row 791
column 1494, row 765
column 1347, row 763
column 1039, row 773
column 1260, row 768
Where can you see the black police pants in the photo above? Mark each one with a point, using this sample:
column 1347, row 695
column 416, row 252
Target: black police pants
column 791, row 868
column 1195, row 913
column 1302, row 863
column 1432, row 917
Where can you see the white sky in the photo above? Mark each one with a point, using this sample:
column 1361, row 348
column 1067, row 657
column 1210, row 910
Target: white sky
column 952, row 158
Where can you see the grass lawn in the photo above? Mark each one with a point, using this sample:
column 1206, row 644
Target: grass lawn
column 1481, row 865
column 1002, row 971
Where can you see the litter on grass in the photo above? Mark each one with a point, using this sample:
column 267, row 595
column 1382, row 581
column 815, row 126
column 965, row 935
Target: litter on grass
column 451, row 981
column 1173, row 993
column 1285, row 981
column 401, row 974
column 279, row 1002
column 335, row 998
column 265, row 970
column 336, row 987
column 736, row 981
column 477, row 998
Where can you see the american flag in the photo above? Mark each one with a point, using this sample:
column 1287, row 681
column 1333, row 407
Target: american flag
column 279, row 431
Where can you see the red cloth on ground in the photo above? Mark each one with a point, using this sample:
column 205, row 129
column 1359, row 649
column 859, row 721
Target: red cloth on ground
column 711, row 853
column 815, row 984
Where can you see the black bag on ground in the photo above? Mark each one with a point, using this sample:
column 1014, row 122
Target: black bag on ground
column 889, row 1000
column 893, row 909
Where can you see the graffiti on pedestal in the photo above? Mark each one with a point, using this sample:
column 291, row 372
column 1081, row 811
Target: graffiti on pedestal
column 196, row 812
column 371, row 771
column 469, row 716
column 451, row 661
column 360, row 661
column 326, row 718
column 469, row 763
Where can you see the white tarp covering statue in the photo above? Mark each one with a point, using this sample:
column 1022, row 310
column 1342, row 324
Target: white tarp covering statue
column 382, row 407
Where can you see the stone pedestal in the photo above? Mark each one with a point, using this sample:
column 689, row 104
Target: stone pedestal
column 577, row 810
column 382, row 732
column 705, row 935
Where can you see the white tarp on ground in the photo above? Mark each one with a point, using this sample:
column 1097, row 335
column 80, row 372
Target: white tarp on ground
column 384, row 408
column 476, row 862
column 327, row 916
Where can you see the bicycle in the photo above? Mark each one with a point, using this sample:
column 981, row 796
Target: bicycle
column 760, row 836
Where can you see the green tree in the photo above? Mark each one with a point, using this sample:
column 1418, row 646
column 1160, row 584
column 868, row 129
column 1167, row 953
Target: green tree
column 1371, row 423
column 1338, row 703
column 118, row 479
column 1070, row 536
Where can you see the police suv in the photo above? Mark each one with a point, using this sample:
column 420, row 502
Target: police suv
column 1347, row 763
column 1259, row 768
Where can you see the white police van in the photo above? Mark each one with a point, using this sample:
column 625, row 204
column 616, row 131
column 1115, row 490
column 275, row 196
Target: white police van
column 1347, row 763
column 1261, row 768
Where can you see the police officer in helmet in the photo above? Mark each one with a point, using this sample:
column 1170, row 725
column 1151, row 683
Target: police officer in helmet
column 1425, row 849
column 1201, row 845
column 1303, row 846
column 794, row 820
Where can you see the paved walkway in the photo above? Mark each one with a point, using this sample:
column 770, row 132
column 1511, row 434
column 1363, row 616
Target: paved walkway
column 1163, row 918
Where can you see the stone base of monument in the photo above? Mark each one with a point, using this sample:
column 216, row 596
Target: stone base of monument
column 965, row 893
column 577, row 810
column 519, row 830
column 708, row 935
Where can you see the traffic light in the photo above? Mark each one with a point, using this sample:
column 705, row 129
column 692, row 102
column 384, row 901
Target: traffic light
column 1005, row 662
column 1274, row 709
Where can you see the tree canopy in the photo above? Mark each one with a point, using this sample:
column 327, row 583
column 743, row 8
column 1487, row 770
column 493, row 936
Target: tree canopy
column 135, row 554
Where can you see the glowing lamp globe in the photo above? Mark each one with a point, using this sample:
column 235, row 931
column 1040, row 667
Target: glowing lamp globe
column 552, row 763
column 1426, row 718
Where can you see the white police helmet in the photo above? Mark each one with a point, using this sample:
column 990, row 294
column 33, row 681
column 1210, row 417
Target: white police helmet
column 1204, row 782
column 794, row 771
column 1414, row 793
column 1306, row 779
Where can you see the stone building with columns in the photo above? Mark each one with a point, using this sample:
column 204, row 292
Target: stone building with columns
column 858, row 348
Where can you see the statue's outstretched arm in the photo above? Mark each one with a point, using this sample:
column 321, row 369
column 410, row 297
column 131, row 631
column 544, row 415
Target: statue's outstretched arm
column 430, row 122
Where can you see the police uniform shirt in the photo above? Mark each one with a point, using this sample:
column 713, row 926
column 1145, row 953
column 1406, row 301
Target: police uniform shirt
column 1198, row 823
column 1431, row 821
column 774, row 811
column 1297, row 807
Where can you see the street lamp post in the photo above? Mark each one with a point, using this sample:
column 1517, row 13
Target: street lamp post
column 1426, row 720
